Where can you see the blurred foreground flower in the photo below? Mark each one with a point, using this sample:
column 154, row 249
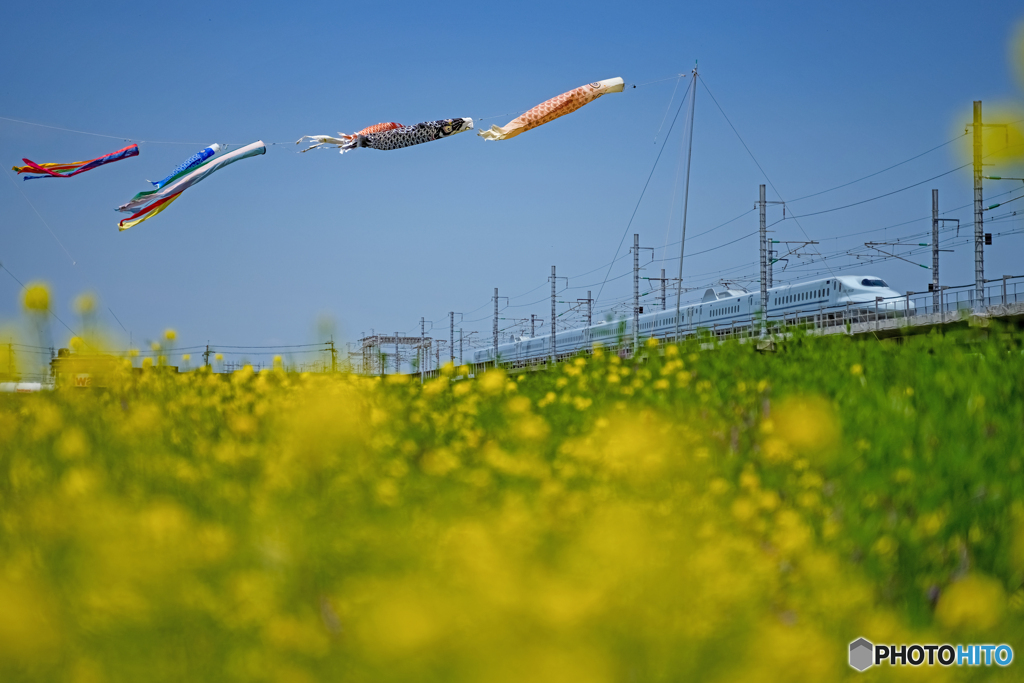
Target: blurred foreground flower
column 37, row 298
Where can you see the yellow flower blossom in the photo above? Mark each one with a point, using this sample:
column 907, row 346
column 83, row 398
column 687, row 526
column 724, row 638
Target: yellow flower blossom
column 975, row 603
column 36, row 298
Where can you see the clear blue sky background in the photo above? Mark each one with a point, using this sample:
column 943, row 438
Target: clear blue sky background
column 823, row 93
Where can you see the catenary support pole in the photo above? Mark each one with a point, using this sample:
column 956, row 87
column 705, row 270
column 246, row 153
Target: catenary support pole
column 533, row 325
column 398, row 359
column 495, row 327
column 979, row 228
column 762, row 207
column 422, row 352
column 664, row 306
column 590, row 309
column 636, row 294
column 554, row 280
column 460, row 347
column 451, row 335
column 935, row 249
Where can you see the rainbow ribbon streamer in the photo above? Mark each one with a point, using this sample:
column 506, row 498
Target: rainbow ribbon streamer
column 51, row 170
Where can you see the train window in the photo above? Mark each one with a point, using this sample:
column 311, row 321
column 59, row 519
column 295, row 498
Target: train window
column 873, row 282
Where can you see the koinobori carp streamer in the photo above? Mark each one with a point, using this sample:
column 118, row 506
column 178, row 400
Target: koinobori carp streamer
column 327, row 140
column 407, row 136
column 145, row 205
column 191, row 162
column 394, row 135
column 55, row 170
column 566, row 103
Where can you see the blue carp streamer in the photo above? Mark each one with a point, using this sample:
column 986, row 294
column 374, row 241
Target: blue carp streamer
column 191, row 162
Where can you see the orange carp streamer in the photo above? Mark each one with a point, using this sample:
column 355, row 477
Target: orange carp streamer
column 556, row 107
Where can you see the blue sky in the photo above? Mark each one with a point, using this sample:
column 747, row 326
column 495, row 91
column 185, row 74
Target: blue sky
column 822, row 93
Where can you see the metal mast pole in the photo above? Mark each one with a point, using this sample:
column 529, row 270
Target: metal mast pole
column 398, row 359
column 533, row 325
column 495, row 327
column 763, row 206
column 590, row 309
column 636, row 293
column 460, row 347
column 979, row 229
column 686, row 199
column 935, row 249
column 422, row 353
column 553, row 281
column 451, row 335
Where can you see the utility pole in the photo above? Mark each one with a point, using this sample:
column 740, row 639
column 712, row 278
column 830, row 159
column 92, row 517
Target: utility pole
column 460, row 347
column 334, row 356
column 206, row 355
column 935, row 249
column 398, row 360
column 686, row 200
column 590, row 309
column 495, row 327
column 451, row 335
column 763, row 206
column 422, row 353
column 533, row 325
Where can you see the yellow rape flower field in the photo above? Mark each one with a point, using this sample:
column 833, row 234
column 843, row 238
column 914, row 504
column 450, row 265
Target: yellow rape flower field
column 712, row 515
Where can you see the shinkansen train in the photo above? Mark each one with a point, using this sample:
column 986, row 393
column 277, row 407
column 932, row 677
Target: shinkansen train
column 731, row 309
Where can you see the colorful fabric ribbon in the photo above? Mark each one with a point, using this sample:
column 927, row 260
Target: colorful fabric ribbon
column 191, row 162
column 145, row 205
column 407, row 136
column 147, row 213
column 54, row 170
column 566, row 103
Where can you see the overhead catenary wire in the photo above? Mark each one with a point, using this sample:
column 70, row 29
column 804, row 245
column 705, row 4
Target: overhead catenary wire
column 756, row 162
column 872, row 175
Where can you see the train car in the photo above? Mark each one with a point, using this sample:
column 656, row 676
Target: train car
column 725, row 310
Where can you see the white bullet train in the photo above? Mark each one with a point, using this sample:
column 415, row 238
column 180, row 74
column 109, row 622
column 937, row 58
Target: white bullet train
column 728, row 309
